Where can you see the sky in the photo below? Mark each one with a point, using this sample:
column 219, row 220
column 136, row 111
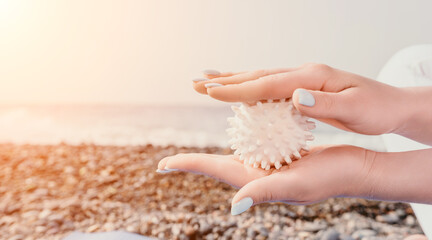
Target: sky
column 147, row 52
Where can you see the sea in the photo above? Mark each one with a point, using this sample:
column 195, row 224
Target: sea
column 189, row 126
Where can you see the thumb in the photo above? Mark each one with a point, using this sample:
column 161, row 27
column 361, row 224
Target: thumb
column 317, row 104
column 267, row 189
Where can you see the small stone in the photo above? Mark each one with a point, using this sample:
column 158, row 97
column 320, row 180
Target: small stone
column 391, row 218
column 330, row 234
column 345, row 237
column 359, row 234
column 17, row 237
column 108, row 227
column 132, row 228
column 410, row 220
column 401, row 212
column 263, row 232
column 41, row 192
column 40, row 229
column 251, row 233
column 93, row 228
column 176, row 229
column 189, row 230
column 44, row 214
column 314, row 226
column 56, row 218
column 52, row 231
column 187, row 205
column 303, row 235
column 69, row 170
column 204, row 228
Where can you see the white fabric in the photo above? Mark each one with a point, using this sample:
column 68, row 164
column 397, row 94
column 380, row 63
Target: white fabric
column 411, row 66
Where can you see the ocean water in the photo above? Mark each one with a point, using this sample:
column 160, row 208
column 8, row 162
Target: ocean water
column 138, row 125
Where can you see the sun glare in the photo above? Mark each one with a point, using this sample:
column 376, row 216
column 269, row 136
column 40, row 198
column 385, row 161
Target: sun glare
column 7, row 8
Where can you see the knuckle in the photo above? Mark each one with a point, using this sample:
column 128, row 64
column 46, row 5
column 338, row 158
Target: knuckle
column 319, row 67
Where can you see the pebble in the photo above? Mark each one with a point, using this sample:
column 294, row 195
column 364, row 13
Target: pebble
column 330, row 234
column 92, row 188
column 189, row 230
column 204, row 228
column 410, row 220
column 251, row 233
column 359, row 234
column 314, row 226
column 345, row 237
column 391, row 218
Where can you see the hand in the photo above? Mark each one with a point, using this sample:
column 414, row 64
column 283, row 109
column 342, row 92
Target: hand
column 320, row 174
column 345, row 100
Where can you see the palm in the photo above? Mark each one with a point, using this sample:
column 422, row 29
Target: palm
column 227, row 168
column 304, row 181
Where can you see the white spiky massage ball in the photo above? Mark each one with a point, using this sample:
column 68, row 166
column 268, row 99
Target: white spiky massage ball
column 269, row 134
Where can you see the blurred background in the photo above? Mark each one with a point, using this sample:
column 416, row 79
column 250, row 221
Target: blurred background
column 94, row 71
column 118, row 73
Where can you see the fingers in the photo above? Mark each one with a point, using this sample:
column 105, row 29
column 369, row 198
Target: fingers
column 323, row 105
column 226, row 168
column 229, row 78
column 275, row 86
column 210, row 74
column 325, row 172
column 319, row 104
column 278, row 187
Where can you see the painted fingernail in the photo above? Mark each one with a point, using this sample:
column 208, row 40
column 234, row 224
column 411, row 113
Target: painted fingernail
column 199, row 80
column 166, row 170
column 211, row 85
column 305, row 98
column 211, row 72
column 241, row 206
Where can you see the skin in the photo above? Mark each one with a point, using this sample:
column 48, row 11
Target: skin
column 344, row 100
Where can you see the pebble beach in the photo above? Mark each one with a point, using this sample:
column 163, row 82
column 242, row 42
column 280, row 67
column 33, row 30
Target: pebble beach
column 49, row 191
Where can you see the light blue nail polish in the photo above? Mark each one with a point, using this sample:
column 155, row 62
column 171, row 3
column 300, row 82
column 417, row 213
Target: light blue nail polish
column 200, row 79
column 305, row 98
column 210, row 85
column 211, row 72
column 241, row 206
column 166, row 170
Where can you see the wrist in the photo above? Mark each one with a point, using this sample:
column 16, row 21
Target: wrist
column 399, row 176
column 405, row 106
column 415, row 114
column 363, row 177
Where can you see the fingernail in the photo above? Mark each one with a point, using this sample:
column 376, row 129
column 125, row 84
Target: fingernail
column 166, row 170
column 210, row 85
column 199, row 79
column 241, row 206
column 305, row 98
column 211, row 72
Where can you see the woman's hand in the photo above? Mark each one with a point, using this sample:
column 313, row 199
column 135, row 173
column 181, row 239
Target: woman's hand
column 322, row 173
column 339, row 171
column 345, row 100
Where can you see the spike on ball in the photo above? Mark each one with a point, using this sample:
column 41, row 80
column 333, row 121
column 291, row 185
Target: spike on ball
column 269, row 134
